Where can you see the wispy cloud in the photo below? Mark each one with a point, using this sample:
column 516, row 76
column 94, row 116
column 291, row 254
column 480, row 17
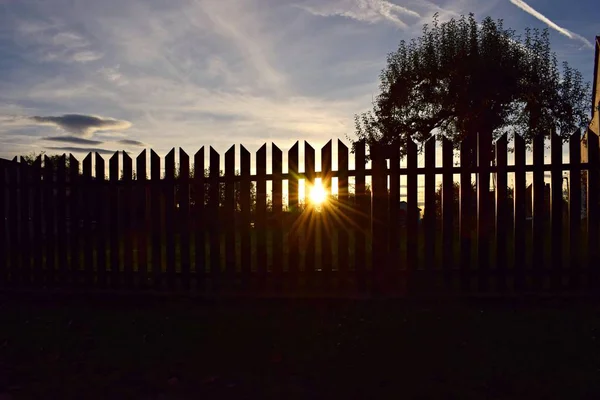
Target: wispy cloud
column 80, row 124
column 73, row 139
column 371, row 11
column 71, row 149
column 571, row 35
column 131, row 142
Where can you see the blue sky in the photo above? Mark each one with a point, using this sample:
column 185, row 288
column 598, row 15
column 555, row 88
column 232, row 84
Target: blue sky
column 113, row 74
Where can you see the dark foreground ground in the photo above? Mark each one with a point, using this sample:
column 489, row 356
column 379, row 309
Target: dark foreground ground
column 119, row 348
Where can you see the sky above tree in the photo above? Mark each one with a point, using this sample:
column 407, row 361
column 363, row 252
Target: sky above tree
column 81, row 75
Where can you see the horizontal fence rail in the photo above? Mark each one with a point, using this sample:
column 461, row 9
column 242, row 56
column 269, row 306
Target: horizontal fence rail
column 488, row 227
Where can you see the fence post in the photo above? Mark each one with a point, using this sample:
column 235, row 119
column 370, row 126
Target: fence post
column 379, row 219
column 593, row 207
column 575, row 197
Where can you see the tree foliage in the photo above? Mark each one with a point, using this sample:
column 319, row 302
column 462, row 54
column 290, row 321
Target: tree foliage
column 462, row 76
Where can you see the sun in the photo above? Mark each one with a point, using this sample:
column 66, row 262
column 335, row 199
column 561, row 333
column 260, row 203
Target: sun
column 318, row 194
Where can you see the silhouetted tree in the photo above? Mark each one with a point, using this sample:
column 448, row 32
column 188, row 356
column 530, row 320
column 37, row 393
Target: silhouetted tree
column 460, row 77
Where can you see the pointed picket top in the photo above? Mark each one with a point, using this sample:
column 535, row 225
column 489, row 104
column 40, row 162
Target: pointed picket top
column 15, row 159
column 244, row 161
column 140, row 166
column 184, row 165
column 154, row 166
column 293, row 159
column 37, row 163
column 277, row 156
column 261, row 160
column 170, row 164
column 215, row 160
column 113, row 167
column 87, row 166
column 199, row 164
column 230, row 161
column 127, row 167
column 100, row 164
column 309, row 162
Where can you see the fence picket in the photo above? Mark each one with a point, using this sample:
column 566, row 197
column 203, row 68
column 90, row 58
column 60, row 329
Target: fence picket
column 88, row 204
column 245, row 209
column 310, row 244
column 4, row 190
column 50, row 220
column 360, row 215
column 430, row 217
column 142, row 223
column 260, row 217
column 13, row 223
column 575, row 199
column 213, row 217
column 156, row 216
column 228, row 214
column 116, row 219
column 394, row 263
column 341, row 215
column 502, row 211
column 65, row 274
column 520, row 213
column 183, row 217
column 277, row 231
column 37, row 216
column 199, row 199
column 448, row 205
column 484, row 208
column 323, row 218
column 293, row 242
column 168, row 190
column 128, row 207
column 101, row 220
column 467, row 161
column 556, row 205
column 593, row 208
column 412, row 222
column 540, row 214
column 24, row 231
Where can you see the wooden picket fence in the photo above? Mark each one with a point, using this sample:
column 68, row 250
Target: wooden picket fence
column 63, row 226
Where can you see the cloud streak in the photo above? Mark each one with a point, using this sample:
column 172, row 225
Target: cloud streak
column 533, row 12
column 131, row 142
column 81, row 125
column 371, row 11
column 71, row 149
column 72, row 139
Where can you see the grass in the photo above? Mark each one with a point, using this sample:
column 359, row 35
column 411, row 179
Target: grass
column 118, row 348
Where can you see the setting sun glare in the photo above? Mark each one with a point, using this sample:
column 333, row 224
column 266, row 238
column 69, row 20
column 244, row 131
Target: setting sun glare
column 318, row 195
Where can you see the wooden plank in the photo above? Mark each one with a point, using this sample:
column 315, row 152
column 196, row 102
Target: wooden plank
column 467, row 159
column 184, row 218
column 229, row 215
column 430, row 221
column 102, row 226
column 360, row 214
column 502, row 211
column 213, row 216
column 143, row 225
column 13, row 223
column 129, row 207
column 168, row 192
column 117, row 226
column 394, row 213
column 24, row 275
column 556, row 212
column 575, row 199
column 50, row 219
column 412, row 217
column 245, row 210
column 277, row 227
column 325, row 215
column 156, row 214
column 4, row 189
column 484, row 209
column 65, row 274
column 519, row 224
column 37, row 219
column 342, row 214
column 310, row 261
column 294, row 233
column 261, row 209
column 379, row 219
column 198, row 199
column 448, row 206
column 593, row 208
column 539, row 212
column 88, row 204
